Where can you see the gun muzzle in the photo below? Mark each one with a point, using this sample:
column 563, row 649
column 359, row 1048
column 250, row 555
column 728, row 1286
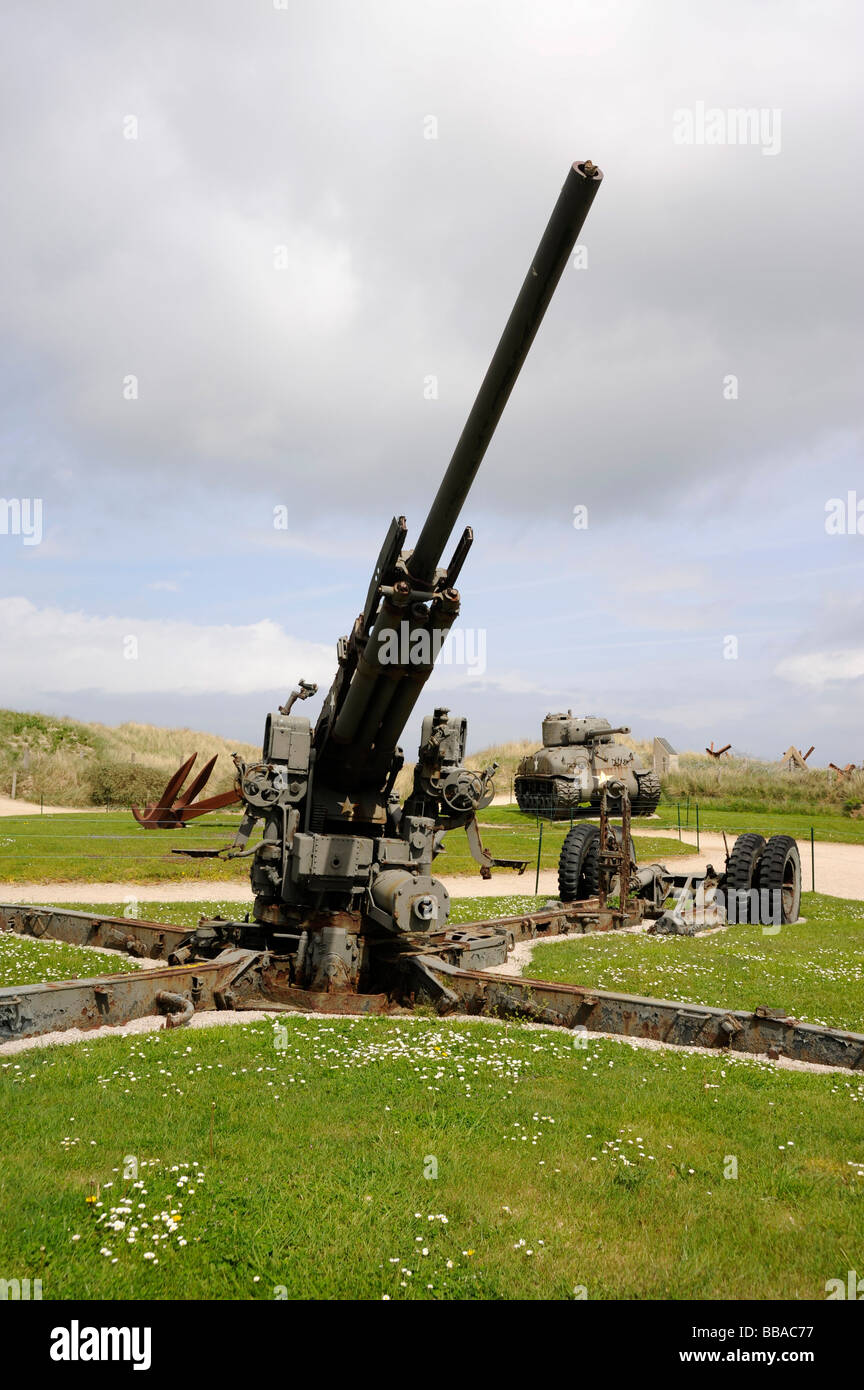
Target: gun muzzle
column 538, row 287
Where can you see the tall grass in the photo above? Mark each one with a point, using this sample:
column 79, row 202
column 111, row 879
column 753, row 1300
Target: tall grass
column 740, row 784
column 68, row 763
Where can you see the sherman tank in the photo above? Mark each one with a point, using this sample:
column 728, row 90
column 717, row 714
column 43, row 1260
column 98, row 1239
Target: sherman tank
column 579, row 753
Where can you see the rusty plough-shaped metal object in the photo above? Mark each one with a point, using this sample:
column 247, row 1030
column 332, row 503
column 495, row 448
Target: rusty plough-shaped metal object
column 172, row 811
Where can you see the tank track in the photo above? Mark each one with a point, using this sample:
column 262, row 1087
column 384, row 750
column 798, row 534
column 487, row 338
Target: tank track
column 553, row 797
column 647, row 799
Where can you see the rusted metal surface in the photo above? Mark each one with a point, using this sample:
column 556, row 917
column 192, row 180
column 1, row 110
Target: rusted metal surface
column 139, row 938
column 765, row 1031
column 248, row 979
column 176, row 1008
column 26, row 1011
column 173, row 809
column 276, row 988
column 562, row 919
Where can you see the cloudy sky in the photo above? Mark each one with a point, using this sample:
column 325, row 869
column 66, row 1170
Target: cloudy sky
column 255, row 259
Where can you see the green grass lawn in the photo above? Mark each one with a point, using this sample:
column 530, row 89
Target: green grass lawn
column 106, row 846
column 812, row 968
column 836, row 828
column 558, row 1169
column 87, row 848
column 831, row 826
column 26, row 961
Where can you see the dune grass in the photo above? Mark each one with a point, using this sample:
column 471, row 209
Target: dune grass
column 736, row 785
column 70, row 763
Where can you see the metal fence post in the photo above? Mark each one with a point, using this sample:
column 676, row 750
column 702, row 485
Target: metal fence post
column 539, row 851
column 812, row 862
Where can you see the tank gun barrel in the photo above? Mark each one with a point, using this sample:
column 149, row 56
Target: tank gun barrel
column 545, row 271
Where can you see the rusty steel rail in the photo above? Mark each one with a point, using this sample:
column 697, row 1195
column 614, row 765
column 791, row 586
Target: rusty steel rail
column 768, row 1031
column 568, row 919
column 131, row 934
column 27, row 1011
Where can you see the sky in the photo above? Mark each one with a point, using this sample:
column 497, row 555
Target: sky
column 256, row 258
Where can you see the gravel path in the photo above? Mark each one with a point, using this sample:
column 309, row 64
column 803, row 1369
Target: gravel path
column 8, row 807
column 839, row 873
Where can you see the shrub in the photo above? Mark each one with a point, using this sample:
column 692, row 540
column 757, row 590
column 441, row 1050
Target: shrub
column 114, row 783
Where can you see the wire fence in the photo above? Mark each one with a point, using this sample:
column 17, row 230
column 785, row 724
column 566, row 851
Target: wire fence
column 683, row 816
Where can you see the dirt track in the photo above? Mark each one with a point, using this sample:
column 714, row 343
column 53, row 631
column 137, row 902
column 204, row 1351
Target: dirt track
column 8, row 807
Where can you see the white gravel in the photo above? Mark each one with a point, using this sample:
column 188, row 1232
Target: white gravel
column 218, row 1019
column 151, row 1023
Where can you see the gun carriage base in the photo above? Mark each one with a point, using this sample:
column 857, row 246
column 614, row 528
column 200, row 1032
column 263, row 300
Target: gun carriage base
column 449, row 970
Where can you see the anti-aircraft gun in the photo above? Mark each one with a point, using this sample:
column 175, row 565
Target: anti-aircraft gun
column 342, row 868
column 348, row 916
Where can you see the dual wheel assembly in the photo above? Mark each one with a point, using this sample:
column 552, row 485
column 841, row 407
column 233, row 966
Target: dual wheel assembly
column 762, row 881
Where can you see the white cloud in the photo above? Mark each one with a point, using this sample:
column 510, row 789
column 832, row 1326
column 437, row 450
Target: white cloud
column 816, row 669
column 48, row 649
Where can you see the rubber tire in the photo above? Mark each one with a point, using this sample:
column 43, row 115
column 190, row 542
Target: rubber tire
column 779, row 871
column 578, row 868
column 742, row 872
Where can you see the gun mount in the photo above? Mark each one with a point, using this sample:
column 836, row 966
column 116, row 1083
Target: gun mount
column 342, row 866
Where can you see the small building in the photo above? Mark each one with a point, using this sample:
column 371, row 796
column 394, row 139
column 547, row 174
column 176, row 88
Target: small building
column 665, row 757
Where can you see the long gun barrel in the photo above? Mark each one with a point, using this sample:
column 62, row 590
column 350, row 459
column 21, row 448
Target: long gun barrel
column 537, row 289
column 410, row 597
